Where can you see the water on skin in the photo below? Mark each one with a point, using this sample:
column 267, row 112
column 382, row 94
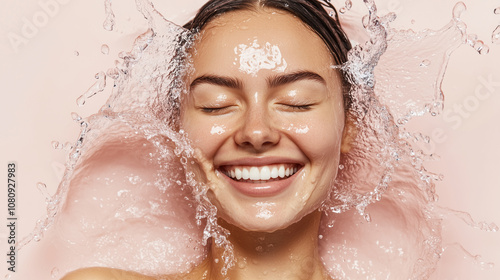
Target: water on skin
column 129, row 199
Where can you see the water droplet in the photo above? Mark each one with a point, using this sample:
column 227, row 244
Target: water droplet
column 366, row 21
column 76, row 53
column 320, row 236
column 425, row 63
column 495, row 36
column 109, row 22
column 97, row 87
column 496, row 11
column 368, row 218
column 76, row 117
column 342, row 11
column 332, row 14
column 341, row 166
column 68, row 146
column 481, row 48
column 113, row 73
column 55, row 272
column 259, row 249
column 105, row 49
column 348, row 4
column 42, row 188
column 458, row 10
column 55, row 144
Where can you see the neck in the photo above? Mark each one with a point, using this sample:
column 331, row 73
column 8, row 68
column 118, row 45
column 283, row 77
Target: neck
column 290, row 253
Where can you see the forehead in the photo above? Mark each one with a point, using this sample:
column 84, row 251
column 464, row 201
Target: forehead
column 221, row 41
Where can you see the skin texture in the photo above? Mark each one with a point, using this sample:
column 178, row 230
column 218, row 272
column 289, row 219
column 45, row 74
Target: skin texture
column 261, row 117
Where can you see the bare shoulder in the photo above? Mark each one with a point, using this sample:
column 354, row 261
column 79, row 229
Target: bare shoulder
column 104, row 273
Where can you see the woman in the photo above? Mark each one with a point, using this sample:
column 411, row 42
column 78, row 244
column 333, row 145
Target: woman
column 266, row 113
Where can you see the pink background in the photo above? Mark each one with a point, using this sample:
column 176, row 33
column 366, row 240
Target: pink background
column 41, row 77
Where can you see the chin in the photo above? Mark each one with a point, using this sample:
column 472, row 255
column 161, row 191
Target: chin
column 254, row 223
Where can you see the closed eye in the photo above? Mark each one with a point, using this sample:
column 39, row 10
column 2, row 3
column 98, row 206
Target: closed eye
column 215, row 110
column 296, row 107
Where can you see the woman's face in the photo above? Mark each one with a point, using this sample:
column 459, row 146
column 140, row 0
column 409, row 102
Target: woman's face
column 265, row 109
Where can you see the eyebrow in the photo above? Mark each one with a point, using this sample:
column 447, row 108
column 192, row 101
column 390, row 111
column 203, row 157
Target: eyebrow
column 274, row 81
column 218, row 81
column 280, row 80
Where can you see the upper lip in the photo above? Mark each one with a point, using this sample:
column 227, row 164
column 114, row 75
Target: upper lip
column 258, row 161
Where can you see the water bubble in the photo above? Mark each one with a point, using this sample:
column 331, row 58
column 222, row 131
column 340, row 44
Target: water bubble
column 495, row 36
column 342, row 11
column 496, row 11
column 331, row 14
column 104, row 49
column 76, row 53
column 259, row 249
column 458, row 10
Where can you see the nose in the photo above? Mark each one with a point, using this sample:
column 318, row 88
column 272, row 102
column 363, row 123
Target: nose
column 257, row 132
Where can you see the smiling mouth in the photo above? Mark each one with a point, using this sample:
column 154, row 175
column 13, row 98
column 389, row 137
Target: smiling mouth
column 260, row 174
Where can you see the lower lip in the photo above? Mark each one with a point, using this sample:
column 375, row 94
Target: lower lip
column 270, row 188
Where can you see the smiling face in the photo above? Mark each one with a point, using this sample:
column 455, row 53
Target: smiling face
column 265, row 109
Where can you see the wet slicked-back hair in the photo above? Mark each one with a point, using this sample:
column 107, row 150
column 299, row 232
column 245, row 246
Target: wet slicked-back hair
column 311, row 12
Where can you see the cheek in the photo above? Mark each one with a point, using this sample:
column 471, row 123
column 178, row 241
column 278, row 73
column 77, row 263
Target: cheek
column 318, row 136
column 205, row 135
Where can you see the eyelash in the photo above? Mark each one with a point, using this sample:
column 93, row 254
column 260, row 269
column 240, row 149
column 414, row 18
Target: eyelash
column 300, row 107
column 213, row 109
column 297, row 108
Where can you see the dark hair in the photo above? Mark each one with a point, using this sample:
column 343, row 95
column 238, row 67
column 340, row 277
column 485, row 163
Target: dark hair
column 311, row 12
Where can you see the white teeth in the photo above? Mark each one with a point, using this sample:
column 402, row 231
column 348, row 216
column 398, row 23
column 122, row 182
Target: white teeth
column 281, row 171
column 263, row 173
column 274, row 173
column 254, row 173
column 245, row 174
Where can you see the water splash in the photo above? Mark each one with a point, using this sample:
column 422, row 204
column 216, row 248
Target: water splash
column 137, row 125
column 97, row 87
column 109, row 22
